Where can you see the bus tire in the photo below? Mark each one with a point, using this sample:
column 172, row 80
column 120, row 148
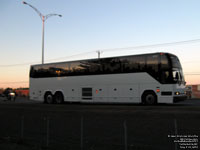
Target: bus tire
column 58, row 98
column 48, row 98
column 149, row 98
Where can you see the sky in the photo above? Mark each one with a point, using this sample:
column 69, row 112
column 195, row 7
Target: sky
column 114, row 27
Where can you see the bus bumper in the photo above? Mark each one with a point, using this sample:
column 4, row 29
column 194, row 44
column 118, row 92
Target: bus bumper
column 179, row 98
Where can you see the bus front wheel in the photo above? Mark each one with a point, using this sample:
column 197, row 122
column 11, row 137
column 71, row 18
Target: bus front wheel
column 48, row 98
column 149, row 98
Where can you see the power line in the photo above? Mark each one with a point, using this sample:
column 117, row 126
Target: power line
column 194, row 61
column 71, row 56
column 21, row 64
column 29, row 63
column 113, row 49
column 191, row 73
column 155, row 45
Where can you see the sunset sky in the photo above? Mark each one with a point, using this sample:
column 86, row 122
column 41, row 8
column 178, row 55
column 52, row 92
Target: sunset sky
column 114, row 27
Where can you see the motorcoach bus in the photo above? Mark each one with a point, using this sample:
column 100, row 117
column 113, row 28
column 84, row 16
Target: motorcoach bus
column 146, row 78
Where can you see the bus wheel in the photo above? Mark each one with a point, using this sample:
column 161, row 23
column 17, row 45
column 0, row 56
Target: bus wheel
column 58, row 98
column 149, row 98
column 48, row 98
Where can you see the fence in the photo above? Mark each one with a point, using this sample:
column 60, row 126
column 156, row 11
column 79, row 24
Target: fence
column 87, row 132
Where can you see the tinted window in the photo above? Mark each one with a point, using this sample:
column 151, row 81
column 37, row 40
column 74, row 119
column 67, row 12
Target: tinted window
column 32, row 72
column 139, row 63
column 152, row 62
column 164, row 62
column 175, row 62
column 94, row 66
column 165, row 76
column 115, row 65
column 77, row 68
column 130, row 64
column 152, row 66
column 43, row 71
column 110, row 65
column 60, row 69
column 133, row 64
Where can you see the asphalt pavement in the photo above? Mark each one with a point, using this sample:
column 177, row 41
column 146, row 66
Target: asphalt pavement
column 26, row 124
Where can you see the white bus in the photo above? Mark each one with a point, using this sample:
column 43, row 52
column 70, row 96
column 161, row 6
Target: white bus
column 147, row 78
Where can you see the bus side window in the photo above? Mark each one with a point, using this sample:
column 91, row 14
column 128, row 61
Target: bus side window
column 93, row 67
column 164, row 62
column 152, row 62
column 165, row 77
column 141, row 63
column 152, row 65
column 115, row 65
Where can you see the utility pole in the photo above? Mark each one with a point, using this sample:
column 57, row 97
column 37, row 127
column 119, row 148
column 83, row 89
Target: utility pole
column 99, row 53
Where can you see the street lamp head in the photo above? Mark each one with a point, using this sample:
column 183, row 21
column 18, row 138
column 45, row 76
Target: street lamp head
column 60, row 15
column 24, row 2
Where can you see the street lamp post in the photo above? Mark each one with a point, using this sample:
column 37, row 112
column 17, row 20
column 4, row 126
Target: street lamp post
column 43, row 18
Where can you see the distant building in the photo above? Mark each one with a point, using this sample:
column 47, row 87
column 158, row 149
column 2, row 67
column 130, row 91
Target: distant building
column 193, row 91
column 1, row 91
column 22, row 92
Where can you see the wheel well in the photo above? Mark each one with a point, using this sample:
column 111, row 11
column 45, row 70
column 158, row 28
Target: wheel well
column 148, row 91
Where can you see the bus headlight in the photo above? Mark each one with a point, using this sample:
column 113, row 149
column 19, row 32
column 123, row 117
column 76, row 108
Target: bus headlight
column 177, row 93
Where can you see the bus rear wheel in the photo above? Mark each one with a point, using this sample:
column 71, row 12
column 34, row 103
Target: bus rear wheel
column 58, row 98
column 149, row 98
column 48, row 98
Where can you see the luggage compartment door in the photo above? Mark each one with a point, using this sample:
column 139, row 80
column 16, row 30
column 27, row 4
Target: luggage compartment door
column 87, row 93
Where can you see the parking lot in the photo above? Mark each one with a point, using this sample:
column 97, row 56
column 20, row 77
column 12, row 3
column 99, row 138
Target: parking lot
column 27, row 124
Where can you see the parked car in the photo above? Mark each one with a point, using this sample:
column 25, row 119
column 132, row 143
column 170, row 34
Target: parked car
column 11, row 96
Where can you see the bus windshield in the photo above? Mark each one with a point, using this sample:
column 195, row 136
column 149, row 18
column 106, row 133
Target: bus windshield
column 178, row 76
column 177, row 72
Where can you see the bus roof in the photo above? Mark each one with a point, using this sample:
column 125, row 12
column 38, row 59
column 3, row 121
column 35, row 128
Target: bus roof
column 161, row 53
